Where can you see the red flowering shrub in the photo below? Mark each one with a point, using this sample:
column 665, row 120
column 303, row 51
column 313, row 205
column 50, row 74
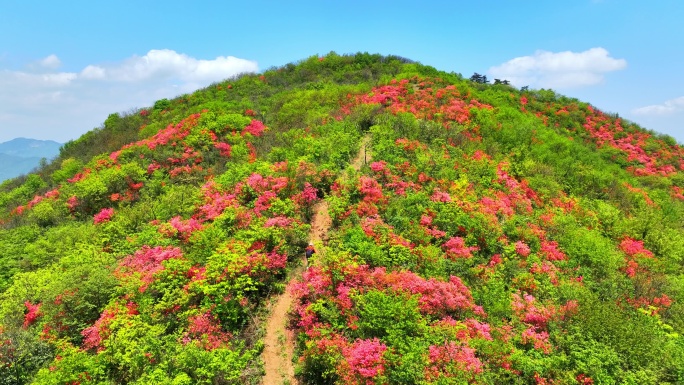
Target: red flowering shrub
column 677, row 192
column 263, row 202
column 655, row 305
column 549, row 249
column 72, row 203
column 440, row 196
column 363, row 362
column 32, row 314
column 224, row 148
column 94, row 335
column 634, row 251
column 52, row 194
column 522, row 249
column 529, row 311
column 450, row 360
column 538, row 339
column 215, row 201
column 309, row 194
column 634, row 248
column 205, row 330
column 252, row 152
column 278, row 221
column 610, row 132
column 18, row 210
column 104, row 215
column 455, row 247
column 255, row 128
column 256, row 262
column 371, row 190
column 378, row 166
column 183, row 229
column 145, row 262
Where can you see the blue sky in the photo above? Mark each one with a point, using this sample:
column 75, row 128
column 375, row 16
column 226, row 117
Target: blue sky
column 65, row 66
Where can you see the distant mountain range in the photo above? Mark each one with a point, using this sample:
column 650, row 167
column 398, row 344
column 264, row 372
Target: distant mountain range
column 21, row 155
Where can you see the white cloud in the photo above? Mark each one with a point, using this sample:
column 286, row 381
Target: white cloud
column 13, row 81
column 93, row 72
column 168, row 64
column 44, row 103
column 59, row 79
column 668, row 107
column 565, row 69
column 51, row 62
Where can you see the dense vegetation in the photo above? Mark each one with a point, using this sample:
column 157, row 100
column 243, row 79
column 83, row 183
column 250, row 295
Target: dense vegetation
column 497, row 236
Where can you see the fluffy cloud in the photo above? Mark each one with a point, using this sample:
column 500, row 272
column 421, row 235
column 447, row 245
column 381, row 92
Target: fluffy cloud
column 51, row 62
column 168, row 64
column 44, row 103
column 93, row 72
column 668, row 107
column 565, row 69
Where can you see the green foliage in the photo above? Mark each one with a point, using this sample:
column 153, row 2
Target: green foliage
column 74, row 366
column 133, row 346
column 388, row 316
column 501, row 236
column 15, row 197
column 617, row 344
column 222, row 123
column 22, row 353
column 591, row 251
column 69, row 168
column 223, row 366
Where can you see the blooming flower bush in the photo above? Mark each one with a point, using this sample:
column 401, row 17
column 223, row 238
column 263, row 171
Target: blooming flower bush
column 105, row 215
column 495, row 235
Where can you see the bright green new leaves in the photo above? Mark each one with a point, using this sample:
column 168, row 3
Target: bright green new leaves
column 491, row 235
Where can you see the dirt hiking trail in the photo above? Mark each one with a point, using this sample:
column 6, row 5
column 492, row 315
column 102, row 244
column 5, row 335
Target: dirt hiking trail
column 279, row 341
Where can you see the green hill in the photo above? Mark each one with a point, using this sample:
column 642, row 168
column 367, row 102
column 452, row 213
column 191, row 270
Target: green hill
column 494, row 235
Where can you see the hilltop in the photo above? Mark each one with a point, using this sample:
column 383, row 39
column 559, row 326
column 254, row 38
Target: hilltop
column 487, row 235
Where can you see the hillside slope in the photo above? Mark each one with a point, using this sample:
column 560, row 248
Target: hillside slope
column 497, row 236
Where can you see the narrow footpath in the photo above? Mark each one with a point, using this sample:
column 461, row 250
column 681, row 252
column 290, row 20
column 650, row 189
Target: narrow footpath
column 279, row 341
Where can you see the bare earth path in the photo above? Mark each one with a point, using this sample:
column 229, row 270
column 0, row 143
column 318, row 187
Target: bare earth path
column 279, row 340
column 364, row 156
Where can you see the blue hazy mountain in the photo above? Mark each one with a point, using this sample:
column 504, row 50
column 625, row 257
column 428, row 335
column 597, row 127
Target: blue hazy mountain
column 21, row 155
